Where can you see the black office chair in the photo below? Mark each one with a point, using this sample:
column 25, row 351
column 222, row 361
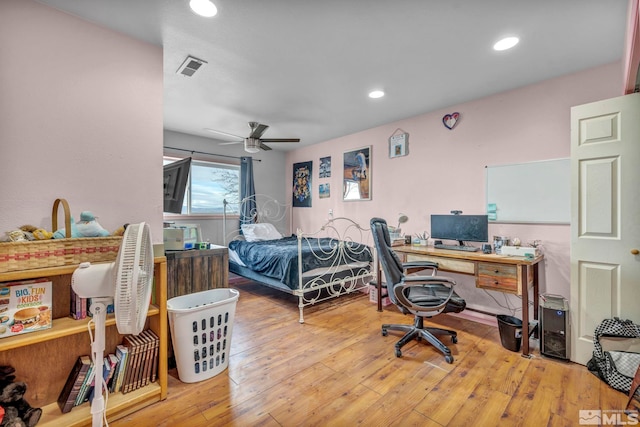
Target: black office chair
column 423, row 296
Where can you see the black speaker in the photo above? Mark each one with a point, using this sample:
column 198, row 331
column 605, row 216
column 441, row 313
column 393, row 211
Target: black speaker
column 554, row 327
column 486, row 248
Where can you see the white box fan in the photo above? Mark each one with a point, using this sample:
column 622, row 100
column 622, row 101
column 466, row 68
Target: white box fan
column 126, row 283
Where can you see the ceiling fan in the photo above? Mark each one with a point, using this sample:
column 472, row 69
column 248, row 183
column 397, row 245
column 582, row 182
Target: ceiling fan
column 254, row 143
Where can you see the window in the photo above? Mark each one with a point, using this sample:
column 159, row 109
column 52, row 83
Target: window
column 209, row 184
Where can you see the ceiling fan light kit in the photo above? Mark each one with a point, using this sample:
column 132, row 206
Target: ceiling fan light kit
column 254, row 142
column 251, row 145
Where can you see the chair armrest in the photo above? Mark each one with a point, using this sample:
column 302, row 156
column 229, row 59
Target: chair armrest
column 424, row 282
column 413, row 266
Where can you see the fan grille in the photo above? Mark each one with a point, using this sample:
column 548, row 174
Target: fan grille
column 134, row 279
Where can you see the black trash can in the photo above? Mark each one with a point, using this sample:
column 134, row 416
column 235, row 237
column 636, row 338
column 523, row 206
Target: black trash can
column 510, row 332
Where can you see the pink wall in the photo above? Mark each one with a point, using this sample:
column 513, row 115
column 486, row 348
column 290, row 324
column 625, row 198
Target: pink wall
column 445, row 169
column 80, row 118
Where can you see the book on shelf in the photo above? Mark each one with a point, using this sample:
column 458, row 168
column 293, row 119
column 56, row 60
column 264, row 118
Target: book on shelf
column 145, row 373
column 155, row 356
column 134, row 344
column 150, row 357
column 142, row 360
column 78, row 307
column 85, row 385
column 71, row 389
column 113, row 363
column 123, row 354
column 97, row 385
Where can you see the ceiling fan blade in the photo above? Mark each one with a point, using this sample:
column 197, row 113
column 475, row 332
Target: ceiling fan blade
column 280, row 139
column 230, row 142
column 264, row 147
column 257, row 130
column 230, row 135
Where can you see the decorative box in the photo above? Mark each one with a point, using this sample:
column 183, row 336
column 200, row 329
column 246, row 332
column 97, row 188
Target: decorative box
column 373, row 295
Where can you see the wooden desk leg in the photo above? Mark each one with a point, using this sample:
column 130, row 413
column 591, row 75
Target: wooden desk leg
column 525, row 311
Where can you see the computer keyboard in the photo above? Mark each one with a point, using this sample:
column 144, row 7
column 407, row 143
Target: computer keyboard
column 456, row 247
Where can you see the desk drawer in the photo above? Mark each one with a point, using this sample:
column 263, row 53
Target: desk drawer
column 499, row 277
column 446, row 264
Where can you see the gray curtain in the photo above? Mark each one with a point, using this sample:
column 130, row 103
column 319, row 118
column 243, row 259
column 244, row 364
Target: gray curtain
column 248, row 209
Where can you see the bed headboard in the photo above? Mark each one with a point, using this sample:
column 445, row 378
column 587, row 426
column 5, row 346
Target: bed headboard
column 267, row 209
column 341, row 228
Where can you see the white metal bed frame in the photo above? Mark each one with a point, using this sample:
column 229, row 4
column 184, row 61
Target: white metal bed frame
column 335, row 280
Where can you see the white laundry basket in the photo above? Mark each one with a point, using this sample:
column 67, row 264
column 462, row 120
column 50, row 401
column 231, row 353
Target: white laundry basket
column 201, row 326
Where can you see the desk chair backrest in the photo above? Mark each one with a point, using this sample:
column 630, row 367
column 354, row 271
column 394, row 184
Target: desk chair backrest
column 391, row 264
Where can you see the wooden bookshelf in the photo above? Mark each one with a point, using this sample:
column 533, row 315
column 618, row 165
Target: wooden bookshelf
column 43, row 359
column 118, row 406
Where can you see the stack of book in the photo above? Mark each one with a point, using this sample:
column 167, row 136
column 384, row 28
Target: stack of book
column 78, row 308
column 133, row 365
column 81, row 307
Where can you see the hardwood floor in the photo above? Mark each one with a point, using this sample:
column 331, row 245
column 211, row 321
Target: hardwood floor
column 337, row 370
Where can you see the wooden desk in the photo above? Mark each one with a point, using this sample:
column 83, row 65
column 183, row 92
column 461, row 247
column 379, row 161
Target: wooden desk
column 510, row 274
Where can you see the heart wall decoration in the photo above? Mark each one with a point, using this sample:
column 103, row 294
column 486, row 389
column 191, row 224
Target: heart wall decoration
column 450, row 120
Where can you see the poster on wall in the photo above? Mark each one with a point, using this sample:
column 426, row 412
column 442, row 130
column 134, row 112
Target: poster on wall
column 325, row 167
column 356, row 179
column 324, row 190
column 302, row 184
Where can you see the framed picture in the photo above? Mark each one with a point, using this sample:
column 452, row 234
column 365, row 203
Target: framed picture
column 398, row 145
column 324, row 190
column 302, row 184
column 356, row 181
column 325, row 167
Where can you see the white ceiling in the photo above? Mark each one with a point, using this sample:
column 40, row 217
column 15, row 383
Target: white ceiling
column 305, row 67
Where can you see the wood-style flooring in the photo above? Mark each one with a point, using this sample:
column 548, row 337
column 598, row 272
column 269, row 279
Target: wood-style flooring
column 337, row 370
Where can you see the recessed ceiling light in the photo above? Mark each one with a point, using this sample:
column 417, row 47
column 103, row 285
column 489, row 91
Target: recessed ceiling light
column 376, row 94
column 203, row 8
column 506, row 43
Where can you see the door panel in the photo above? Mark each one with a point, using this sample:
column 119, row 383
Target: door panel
column 597, row 283
column 605, row 217
column 599, row 202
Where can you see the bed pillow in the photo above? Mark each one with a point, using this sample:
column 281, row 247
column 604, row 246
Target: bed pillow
column 262, row 231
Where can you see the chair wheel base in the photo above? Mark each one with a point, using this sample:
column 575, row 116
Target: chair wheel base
column 449, row 359
column 398, row 352
column 454, row 339
column 384, row 332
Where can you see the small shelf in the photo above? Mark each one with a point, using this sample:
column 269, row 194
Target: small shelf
column 61, row 327
column 47, row 379
column 118, row 405
column 35, row 273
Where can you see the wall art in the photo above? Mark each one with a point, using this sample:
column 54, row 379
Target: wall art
column 357, row 174
column 325, row 167
column 451, row 120
column 302, row 184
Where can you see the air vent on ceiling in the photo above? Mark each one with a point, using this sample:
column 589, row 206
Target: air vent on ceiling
column 190, row 66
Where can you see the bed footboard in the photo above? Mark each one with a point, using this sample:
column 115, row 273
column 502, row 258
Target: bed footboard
column 352, row 262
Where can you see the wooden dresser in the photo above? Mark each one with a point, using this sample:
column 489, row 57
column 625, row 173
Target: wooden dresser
column 197, row 270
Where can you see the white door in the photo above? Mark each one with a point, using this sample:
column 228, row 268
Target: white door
column 605, row 217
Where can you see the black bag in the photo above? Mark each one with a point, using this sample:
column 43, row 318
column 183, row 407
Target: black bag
column 616, row 368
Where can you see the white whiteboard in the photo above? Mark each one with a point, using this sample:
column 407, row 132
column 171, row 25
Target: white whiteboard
column 530, row 192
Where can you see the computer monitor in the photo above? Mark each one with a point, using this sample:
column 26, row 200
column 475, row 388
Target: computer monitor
column 176, row 178
column 469, row 228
